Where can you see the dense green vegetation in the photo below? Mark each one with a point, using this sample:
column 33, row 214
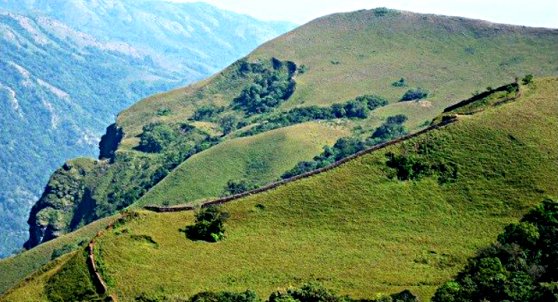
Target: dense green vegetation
column 209, row 225
column 358, row 108
column 311, row 292
column 521, row 266
column 392, row 128
column 243, row 162
column 271, row 86
column 414, row 94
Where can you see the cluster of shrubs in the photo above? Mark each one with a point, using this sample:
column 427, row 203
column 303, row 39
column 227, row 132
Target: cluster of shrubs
column 357, row 108
column 414, row 167
column 271, row 86
column 415, row 94
column 400, row 83
column 521, row 266
column 209, row 225
column 236, row 187
column 207, row 113
column 347, row 146
column 155, row 137
column 311, row 292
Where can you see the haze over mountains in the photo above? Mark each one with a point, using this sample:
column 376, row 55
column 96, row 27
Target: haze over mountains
column 69, row 66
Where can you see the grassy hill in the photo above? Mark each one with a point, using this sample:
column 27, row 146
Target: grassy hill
column 361, row 228
column 18, row 267
column 258, row 160
column 327, row 70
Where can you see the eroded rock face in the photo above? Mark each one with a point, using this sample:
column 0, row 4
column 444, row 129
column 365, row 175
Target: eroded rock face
column 110, row 141
column 54, row 213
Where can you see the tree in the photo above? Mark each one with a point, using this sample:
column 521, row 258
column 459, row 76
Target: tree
column 528, row 79
column 228, row 123
column 521, row 266
column 237, row 187
column 209, row 225
column 155, row 137
column 415, row 94
column 400, row 83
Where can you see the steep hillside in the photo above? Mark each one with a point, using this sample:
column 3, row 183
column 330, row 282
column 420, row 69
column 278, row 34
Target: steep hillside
column 256, row 160
column 361, row 228
column 361, row 69
column 67, row 67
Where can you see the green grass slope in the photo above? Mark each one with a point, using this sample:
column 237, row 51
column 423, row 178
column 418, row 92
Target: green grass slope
column 331, row 60
column 258, row 159
column 356, row 228
column 18, row 267
column 351, row 54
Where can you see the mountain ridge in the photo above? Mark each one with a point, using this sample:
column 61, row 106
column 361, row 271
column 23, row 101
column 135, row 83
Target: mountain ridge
column 56, row 74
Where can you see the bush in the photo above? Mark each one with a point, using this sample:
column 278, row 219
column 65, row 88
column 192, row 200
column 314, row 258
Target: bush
column 247, row 296
column 237, row 187
column 66, row 248
column 400, row 83
column 528, row 79
column 269, row 88
column 207, row 113
column 209, row 225
column 414, row 94
column 228, row 123
column 155, row 137
column 357, row 108
column 391, row 129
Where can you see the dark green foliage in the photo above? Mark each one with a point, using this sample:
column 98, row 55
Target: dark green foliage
column 228, row 123
column 391, row 129
column 400, row 83
column 101, row 189
column 72, row 283
column 381, row 11
column 270, row 86
column 357, row 108
column 310, row 292
column 415, row 94
column 347, row 146
column 404, row 296
column 247, row 296
column 301, row 168
column 521, row 266
column 528, row 79
column 237, row 187
column 163, row 111
column 207, row 113
column 414, row 167
column 209, row 225
column 155, row 137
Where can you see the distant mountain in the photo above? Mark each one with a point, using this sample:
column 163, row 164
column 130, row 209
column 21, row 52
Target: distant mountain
column 67, row 67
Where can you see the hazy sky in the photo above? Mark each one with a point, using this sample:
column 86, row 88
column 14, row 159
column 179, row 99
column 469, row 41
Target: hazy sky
column 524, row 12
